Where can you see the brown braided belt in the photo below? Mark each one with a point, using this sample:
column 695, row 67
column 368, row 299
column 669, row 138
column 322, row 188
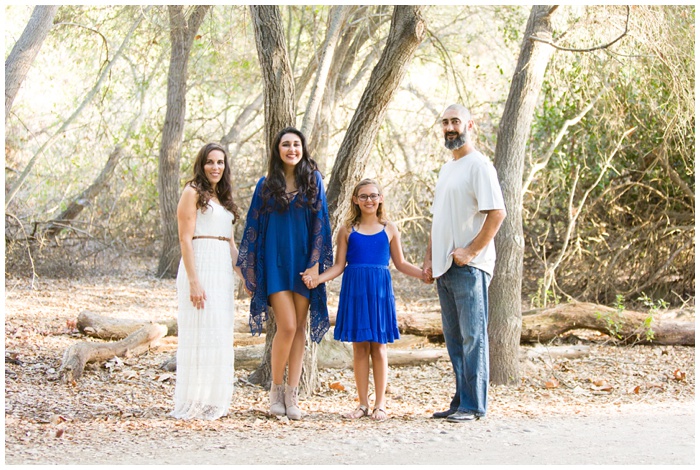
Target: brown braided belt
column 223, row 239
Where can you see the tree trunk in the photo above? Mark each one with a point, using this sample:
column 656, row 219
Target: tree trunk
column 25, row 51
column 356, row 32
column 262, row 375
column 513, row 135
column 233, row 136
column 182, row 33
column 85, row 198
column 337, row 17
column 406, row 33
column 278, row 81
column 77, row 355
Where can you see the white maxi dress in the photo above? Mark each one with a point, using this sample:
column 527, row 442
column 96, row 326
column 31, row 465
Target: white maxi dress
column 204, row 384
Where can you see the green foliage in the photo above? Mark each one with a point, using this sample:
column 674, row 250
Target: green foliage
column 654, row 307
column 629, row 229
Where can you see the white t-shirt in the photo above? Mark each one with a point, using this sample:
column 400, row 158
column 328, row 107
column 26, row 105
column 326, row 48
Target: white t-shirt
column 465, row 187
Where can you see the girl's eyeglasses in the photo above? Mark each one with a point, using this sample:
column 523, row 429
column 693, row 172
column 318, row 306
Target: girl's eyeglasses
column 364, row 197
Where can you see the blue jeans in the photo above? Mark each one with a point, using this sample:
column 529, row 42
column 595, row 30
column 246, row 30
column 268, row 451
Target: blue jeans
column 463, row 292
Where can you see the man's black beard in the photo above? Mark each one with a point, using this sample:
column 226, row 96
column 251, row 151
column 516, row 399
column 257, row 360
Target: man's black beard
column 457, row 142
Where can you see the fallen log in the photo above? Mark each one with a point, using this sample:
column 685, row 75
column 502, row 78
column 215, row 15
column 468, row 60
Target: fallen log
column 426, row 323
column 537, row 326
column 77, row 355
column 626, row 326
column 103, row 327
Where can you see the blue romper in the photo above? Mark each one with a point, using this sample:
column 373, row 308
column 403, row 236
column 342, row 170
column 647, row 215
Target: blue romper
column 287, row 248
column 366, row 308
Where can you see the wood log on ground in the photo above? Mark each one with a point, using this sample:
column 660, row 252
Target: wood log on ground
column 138, row 342
column 626, row 326
column 427, row 323
column 544, row 325
column 103, row 327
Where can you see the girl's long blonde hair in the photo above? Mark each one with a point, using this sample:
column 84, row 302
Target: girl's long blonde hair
column 354, row 214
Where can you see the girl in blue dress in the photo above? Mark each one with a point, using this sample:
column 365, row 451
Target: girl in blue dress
column 366, row 309
column 287, row 233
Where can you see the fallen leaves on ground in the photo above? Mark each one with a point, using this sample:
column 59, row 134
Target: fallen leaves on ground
column 134, row 394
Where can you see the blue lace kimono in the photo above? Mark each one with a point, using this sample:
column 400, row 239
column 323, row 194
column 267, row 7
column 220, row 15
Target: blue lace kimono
column 272, row 234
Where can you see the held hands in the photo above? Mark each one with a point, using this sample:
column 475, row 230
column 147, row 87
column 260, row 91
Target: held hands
column 310, row 277
column 428, row 275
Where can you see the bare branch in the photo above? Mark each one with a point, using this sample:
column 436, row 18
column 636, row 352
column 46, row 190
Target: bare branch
column 590, row 49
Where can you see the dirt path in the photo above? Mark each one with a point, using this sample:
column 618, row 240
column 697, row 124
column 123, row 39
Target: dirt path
column 640, row 435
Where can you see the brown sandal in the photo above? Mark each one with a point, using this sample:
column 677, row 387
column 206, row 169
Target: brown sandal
column 379, row 414
column 359, row 412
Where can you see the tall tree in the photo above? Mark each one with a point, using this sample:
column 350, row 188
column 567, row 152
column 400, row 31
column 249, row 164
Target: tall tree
column 505, row 315
column 405, row 35
column 278, row 81
column 25, row 51
column 183, row 30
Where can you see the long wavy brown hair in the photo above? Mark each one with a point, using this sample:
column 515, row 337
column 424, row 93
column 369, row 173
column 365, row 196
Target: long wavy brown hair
column 354, row 213
column 275, row 188
column 200, row 183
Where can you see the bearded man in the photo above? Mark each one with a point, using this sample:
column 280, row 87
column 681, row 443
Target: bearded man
column 467, row 210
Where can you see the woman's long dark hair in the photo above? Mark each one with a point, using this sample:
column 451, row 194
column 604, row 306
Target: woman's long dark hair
column 275, row 187
column 201, row 184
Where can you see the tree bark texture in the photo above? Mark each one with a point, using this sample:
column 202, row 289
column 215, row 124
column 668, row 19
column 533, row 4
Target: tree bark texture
column 262, row 375
column 77, row 355
column 85, row 198
column 278, row 81
column 513, row 133
column 25, row 51
column 182, row 33
column 405, row 35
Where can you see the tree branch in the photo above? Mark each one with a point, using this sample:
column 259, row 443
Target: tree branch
column 591, row 49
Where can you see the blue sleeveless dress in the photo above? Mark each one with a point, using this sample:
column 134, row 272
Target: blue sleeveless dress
column 366, row 308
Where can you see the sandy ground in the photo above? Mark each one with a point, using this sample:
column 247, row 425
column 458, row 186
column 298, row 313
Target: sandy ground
column 639, row 435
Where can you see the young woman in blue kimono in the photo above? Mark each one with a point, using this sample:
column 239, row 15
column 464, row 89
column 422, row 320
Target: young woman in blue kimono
column 287, row 235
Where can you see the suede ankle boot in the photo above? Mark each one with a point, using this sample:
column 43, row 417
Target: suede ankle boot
column 277, row 398
column 291, row 401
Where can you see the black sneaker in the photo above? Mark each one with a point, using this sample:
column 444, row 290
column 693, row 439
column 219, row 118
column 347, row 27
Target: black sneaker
column 461, row 417
column 444, row 414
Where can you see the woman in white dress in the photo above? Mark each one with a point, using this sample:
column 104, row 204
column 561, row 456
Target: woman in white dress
column 205, row 285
